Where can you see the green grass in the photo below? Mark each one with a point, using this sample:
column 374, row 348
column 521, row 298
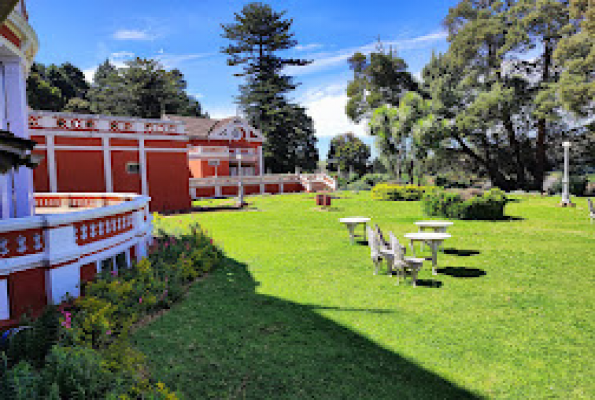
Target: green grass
column 297, row 313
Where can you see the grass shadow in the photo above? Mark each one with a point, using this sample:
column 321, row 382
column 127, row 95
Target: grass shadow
column 462, row 272
column 461, row 253
column 226, row 340
column 429, row 283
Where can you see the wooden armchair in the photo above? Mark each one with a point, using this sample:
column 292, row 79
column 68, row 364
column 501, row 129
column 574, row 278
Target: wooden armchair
column 591, row 210
column 403, row 265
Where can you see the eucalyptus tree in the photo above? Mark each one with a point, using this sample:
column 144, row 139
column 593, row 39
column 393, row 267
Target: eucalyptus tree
column 495, row 88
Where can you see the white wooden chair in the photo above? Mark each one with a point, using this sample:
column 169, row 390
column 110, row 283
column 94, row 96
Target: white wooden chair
column 591, row 210
column 403, row 265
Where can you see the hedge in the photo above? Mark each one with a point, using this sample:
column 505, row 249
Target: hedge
column 471, row 204
column 394, row 192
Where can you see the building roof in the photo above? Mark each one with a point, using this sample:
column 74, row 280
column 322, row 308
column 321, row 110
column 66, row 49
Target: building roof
column 199, row 128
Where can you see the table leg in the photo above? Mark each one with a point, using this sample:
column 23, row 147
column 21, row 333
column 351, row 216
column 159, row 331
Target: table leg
column 412, row 247
column 421, row 243
column 434, row 246
column 441, row 230
column 351, row 228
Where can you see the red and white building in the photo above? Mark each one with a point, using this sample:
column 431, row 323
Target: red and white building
column 51, row 242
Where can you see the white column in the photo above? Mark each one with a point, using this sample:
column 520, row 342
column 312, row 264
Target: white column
column 107, row 165
column 142, row 158
column 4, row 300
column 260, row 161
column 51, row 163
column 16, row 115
column 5, row 196
column 566, row 177
column 64, row 280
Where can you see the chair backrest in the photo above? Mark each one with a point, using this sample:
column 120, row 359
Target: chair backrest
column 396, row 247
column 373, row 242
column 591, row 207
column 380, row 237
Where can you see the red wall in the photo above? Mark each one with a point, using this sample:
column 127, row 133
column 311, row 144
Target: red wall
column 168, row 179
column 41, row 180
column 80, row 171
column 123, row 181
column 26, row 290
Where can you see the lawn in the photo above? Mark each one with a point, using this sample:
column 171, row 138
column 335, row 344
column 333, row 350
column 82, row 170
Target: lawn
column 297, row 313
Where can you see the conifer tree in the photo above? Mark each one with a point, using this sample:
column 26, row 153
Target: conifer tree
column 257, row 37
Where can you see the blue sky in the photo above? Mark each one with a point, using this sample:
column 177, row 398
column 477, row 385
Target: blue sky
column 186, row 34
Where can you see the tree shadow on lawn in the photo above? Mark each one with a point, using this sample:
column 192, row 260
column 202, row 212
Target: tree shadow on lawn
column 225, row 340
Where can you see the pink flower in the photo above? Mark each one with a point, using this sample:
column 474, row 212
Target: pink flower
column 211, row 240
column 140, row 300
column 66, row 324
column 114, row 273
column 108, row 332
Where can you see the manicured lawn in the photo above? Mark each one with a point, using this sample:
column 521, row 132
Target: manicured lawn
column 297, row 313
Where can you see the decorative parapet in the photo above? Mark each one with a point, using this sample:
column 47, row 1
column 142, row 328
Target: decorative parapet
column 246, row 180
column 19, row 36
column 70, row 122
column 69, row 232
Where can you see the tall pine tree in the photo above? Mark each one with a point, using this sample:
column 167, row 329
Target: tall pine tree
column 258, row 35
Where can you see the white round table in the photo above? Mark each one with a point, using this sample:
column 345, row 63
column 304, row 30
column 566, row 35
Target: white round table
column 432, row 239
column 352, row 222
column 437, row 226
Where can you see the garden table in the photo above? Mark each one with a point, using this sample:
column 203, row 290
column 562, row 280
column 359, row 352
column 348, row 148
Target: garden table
column 352, row 222
column 437, row 226
column 432, row 239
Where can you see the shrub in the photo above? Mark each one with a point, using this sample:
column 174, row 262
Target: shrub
column 577, row 185
column 394, row 192
column 470, row 204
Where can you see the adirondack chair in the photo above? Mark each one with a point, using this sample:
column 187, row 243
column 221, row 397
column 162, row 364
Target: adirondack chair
column 591, row 210
column 375, row 248
column 404, row 265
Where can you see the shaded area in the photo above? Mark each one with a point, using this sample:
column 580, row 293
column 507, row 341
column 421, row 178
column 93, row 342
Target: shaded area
column 227, row 341
column 461, row 253
column 429, row 283
column 461, row 272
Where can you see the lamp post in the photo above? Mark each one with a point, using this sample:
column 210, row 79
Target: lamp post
column 240, row 183
column 566, row 179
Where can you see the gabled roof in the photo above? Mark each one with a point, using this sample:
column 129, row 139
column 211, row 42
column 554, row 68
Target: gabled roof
column 199, row 128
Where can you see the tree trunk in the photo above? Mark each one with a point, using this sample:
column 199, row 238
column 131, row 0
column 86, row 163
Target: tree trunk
column 542, row 123
column 516, row 148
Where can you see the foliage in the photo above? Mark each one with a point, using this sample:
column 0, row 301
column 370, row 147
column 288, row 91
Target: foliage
column 395, row 192
column 257, row 37
column 577, row 185
column 405, row 134
column 380, row 78
column 143, row 88
column 495, row 88
column 576, row 53
column 78, row 105
column 348, row 151
column 81, row 348
column 472, row 204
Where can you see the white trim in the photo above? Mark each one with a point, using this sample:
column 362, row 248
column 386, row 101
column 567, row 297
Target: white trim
column 111, row 135
column 4, row 300
column 142, row 160
column 101, row 148
column 107, row 164
column 51, row 162
column 260, row 160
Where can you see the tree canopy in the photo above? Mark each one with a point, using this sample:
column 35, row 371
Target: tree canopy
column 257, row 37
column 142, row 88
column 347, row 151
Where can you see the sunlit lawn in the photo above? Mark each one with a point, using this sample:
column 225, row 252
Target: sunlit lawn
column 297, row 312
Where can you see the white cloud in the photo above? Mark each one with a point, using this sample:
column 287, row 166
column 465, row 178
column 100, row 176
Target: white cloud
column 327, row 60
column 121, row 55
column 306, row 47
column 133, row 34
column 326, row 107
column 89, row 73
column 220, row 112
column 174, row 60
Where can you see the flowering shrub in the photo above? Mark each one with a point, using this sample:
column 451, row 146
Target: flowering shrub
column 394, row 192
column 89, row 335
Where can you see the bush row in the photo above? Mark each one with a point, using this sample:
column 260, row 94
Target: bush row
column 469, row 204
column 81, row 349
column 394, row 192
